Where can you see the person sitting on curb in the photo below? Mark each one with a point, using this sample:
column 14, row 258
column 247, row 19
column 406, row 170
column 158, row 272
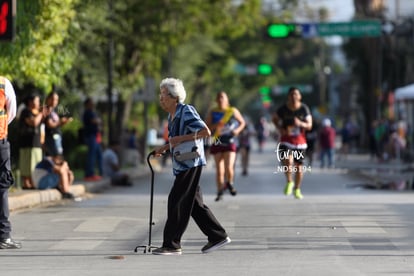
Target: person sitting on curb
column 111, row 166
column 54, row 172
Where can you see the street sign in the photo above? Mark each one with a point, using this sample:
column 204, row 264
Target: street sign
column 363, row 28
column 308, row 30
column 357, row 28
column 279, row 90
column 360, row 28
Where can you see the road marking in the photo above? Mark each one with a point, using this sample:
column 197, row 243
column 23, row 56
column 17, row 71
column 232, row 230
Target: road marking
column 234, row 207
column 99, row 224
column 363, row 227
column 103, row 224
column 78, row 244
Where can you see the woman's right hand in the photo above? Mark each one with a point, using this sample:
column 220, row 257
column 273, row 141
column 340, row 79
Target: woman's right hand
column 158, row 152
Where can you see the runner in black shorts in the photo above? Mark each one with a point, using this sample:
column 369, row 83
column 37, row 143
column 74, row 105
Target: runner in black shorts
column 292, row 120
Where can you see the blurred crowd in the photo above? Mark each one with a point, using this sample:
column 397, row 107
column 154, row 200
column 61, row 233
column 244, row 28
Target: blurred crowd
column 388, row 140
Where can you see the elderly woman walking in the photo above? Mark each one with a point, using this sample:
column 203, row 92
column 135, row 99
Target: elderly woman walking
column 185, row 198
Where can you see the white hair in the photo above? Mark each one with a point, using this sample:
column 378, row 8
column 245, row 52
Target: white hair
column 175, row 88
column 326, row 122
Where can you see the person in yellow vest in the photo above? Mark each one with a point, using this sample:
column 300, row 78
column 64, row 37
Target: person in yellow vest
column 7, row 114
column 226, row 122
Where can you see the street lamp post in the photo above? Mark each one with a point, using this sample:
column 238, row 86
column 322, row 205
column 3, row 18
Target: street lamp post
column 110, row 55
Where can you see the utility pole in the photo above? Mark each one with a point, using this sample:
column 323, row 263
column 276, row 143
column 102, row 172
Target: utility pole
column 110, row 56
column 397, row 9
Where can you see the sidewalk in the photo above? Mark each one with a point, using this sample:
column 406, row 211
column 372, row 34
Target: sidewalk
column 380, row 175
column 22, row 199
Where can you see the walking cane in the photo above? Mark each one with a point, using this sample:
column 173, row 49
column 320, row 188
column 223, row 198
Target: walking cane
column 148, row 248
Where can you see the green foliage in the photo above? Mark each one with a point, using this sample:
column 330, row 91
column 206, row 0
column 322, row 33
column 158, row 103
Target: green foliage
column 305, row 74
column 76, row 156
column 63, row 45
column 149, row 35
column 44, row 48
column 206, row 64
column 198, row 41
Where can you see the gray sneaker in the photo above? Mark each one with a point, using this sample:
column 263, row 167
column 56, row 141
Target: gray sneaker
column 167, row 251
column 211, row 246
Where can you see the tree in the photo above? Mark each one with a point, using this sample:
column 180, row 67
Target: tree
column 365, row 57
column 147, row 34
column 44, row 48
column 42, row 51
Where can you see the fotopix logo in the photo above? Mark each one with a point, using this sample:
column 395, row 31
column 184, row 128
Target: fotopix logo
column 220, row 140
column 60, row 110
column 283, row 154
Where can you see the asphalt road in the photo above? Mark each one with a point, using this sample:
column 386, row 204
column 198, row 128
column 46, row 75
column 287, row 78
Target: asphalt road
column 336, row 229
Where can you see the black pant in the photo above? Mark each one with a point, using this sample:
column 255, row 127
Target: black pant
column 185, row 200
column 6, row 180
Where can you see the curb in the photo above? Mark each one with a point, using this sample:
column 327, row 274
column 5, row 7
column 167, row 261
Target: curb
column 378, row 180
column 27, row 199
column 30, row 198
column 21, row 200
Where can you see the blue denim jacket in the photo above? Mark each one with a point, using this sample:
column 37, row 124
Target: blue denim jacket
column 192, row 123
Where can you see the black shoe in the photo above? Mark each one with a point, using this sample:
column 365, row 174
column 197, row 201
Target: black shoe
column 167, row 251
column 68, row 196
column 232, row 191
column 211, row 246
column 219, row 196
column 129, row 183
column 9, row 244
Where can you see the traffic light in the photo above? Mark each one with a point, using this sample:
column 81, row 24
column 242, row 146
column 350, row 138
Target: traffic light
column 281, row 30
column 7, row 14
column 264, row 69
column 265, row 96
